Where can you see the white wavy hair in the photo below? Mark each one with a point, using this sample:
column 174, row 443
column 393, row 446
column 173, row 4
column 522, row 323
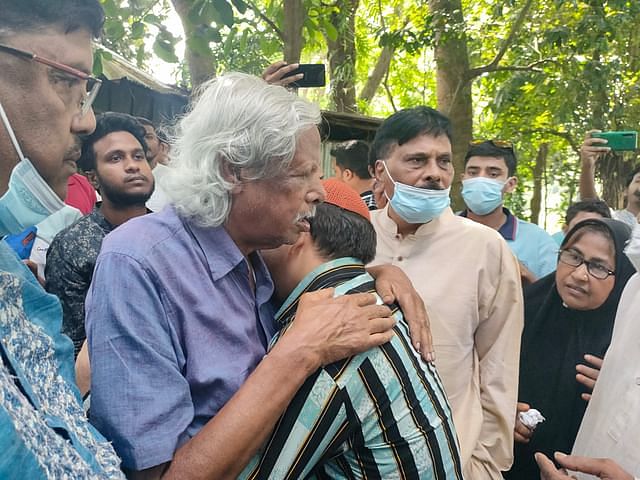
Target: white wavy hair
column 238, row 121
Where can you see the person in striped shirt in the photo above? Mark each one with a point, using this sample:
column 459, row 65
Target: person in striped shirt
column 380, row 414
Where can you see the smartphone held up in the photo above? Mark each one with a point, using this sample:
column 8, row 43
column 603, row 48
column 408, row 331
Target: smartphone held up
column 619, row 141
column 313, row 75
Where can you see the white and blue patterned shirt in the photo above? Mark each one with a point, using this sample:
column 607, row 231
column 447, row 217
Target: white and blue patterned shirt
column 43, row 430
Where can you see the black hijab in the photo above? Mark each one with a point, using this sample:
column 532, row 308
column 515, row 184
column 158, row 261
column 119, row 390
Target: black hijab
column 554, row 341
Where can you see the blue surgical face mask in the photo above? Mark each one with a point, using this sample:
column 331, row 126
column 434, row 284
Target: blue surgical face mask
column 417, row 205
column 29, row 199
column 482, row 195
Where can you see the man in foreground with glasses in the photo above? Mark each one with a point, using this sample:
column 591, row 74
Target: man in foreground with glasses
column 489, row 174
column 467, row 277
column 44, row 106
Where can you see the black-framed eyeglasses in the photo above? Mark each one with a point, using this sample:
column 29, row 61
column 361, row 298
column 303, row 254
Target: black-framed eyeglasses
column 574, row 259
column 93, row 83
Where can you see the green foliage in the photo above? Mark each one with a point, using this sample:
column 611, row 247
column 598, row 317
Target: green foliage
column 578, row 64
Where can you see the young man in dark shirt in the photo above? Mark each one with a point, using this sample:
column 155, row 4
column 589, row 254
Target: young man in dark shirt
column 114, row 158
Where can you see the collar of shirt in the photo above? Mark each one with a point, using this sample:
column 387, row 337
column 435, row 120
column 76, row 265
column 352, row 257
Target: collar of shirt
column 424, row 230
column 328, row 274
column 98, row 218
column 220, row 251
column 509, row 227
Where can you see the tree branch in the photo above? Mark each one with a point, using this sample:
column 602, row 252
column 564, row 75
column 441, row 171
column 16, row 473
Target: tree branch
column 388, row 90
column 506, row 44
column 379, row 72
column 566, row 136
column 266, row 19
column 522, row 68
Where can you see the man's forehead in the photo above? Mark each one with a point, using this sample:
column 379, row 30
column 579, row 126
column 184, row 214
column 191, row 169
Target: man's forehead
column 422, row 143
column 120, row 140
column 307, row 148
column 486, row 162
column 74, row 49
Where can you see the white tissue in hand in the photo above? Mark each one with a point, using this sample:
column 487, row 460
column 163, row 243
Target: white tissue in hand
column 531, row 418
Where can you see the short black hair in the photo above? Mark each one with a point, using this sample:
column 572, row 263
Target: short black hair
column 593, row 205
column 107, row 123
column 339, row 233
column 145, row 122
column 404, row 126
column 629, row 178
column 20, row 16
column 490, row 149
column 353, row 155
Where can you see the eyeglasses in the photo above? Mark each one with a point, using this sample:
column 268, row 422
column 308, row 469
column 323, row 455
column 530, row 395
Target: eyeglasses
column 496, row 143
column 93, row 83
column 574, row 259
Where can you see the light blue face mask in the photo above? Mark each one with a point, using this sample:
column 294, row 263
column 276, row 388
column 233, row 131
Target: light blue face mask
column 482, row 195
column 29, row 199
column 417, row 205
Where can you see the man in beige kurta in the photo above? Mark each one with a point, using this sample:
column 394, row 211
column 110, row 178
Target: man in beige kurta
column 467, row 277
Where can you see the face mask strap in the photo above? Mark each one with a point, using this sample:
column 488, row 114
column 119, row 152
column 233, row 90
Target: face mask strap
column 10, row 132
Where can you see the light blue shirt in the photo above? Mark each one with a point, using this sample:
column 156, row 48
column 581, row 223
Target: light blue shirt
column 558, row 237
column 43, row 430
column 174, row 329
column 531, row 245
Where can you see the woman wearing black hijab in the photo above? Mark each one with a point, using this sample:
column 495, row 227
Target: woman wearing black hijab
column 568, row 314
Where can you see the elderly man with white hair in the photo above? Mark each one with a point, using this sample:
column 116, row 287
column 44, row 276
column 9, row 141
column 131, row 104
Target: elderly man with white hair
column 179, row 312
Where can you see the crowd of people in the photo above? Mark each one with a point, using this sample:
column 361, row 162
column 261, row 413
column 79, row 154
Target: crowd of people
column 210, row 307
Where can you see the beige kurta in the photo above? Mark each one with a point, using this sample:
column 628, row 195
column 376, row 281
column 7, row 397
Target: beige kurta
column 469, row 281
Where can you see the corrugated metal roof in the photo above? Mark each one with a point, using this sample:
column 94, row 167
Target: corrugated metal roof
column 117, row 68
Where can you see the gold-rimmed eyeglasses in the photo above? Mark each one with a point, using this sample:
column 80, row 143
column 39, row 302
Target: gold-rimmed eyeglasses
column 93, row 83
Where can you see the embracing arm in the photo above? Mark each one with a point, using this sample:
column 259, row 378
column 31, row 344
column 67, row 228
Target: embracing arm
column 393, row 285
column 350, row 324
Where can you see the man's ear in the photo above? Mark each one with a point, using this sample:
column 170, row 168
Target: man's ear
column 300, row 247
column 93, row 178
column 232, row 175
column 378, row 170
column 347, row 175
column 510, row 185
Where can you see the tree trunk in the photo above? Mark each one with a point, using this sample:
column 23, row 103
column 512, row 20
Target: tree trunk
column 293, row 21
column 202, row 67
column 379, row 71
column 538, row 176
column 453, row 87
column 342, row 57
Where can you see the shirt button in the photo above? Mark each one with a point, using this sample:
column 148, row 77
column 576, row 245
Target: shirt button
column 637, row 380
column 397, row 236
column 400, row 259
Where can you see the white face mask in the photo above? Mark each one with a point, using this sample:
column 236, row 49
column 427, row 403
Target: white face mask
column 29, row 199
column 633, row 248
